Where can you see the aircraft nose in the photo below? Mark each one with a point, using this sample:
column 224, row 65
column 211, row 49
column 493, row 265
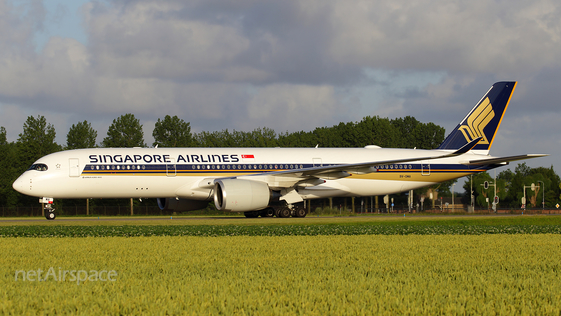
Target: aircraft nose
column 21, row 184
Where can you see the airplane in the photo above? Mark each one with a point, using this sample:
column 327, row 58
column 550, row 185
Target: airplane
column 269, row 181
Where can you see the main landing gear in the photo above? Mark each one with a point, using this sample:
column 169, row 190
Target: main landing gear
column 279, row 211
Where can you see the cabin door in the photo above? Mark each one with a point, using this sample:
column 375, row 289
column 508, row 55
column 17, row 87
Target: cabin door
column 171, row 169
column 317, row 162
column 425, row 168
column 74, row 164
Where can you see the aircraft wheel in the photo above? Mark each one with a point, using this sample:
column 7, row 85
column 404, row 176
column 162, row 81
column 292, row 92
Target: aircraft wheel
column 268, row 212
column 300, row 212
column 50, row 216
column 251, row 214
column 284, row 212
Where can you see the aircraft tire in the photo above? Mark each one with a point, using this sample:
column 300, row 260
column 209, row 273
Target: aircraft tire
column 50, row 216
column 300, row 212
column 268, row 212
column 251, row 214
column 284, row 212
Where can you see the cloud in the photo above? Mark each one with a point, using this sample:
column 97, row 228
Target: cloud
column 18, row 24
column 148, row 41
column 295, row 107
column 289, row 65
column 474, row 37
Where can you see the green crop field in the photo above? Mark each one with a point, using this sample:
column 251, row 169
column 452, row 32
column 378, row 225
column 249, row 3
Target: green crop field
column 368, row 225
column 504, row 265
column 278, row 275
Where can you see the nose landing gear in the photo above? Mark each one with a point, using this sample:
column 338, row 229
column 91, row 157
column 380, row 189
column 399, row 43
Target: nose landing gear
column 50, row 216
column 49, row 210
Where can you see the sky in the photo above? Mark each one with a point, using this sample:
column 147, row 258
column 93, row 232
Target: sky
column 283, row 64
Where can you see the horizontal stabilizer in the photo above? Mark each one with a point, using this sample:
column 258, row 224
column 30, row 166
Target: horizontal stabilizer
column 501, row 160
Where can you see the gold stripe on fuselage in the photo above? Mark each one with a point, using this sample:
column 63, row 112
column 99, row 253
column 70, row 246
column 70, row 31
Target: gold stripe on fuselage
column 416, row 175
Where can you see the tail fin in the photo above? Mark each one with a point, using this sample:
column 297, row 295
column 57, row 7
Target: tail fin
column 483, row 120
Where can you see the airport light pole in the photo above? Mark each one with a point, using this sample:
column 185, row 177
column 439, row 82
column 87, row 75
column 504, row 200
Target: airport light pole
column 533, row 187
column 495, row 200
column 486, row 186
column 543, row 195
column 471, row 189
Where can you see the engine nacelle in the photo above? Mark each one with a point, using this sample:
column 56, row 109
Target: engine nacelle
column 181, row 205
column 241, row 195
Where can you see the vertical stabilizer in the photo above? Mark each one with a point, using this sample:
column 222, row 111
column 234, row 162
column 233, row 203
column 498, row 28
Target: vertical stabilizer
column 483, row 120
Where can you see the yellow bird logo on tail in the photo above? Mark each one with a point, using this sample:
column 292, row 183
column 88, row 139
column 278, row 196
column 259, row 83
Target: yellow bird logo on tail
column 477, row 121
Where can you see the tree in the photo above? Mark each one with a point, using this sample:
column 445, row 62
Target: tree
column 377, row 131
column 81, row 135
column 126, row 131
column 3, row 137
column 297, row 139
column 260, row 137
column 36, row 141
column 8, row 196
column 480, row 194
column 444, row 189
column 550, row 181
column 510, row 186
column 264, row 137
column 172, row 132
column 213, row 139
column 413, row 133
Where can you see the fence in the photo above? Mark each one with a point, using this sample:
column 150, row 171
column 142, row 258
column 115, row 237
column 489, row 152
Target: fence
column 83, row 210
column 153, row 210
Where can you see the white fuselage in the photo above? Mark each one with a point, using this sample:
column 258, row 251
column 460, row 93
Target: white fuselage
column 185, row 172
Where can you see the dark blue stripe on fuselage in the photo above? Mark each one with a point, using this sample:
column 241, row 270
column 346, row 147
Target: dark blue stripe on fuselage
column 158, row 169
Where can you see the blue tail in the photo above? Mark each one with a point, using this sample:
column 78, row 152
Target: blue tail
column 483, row 120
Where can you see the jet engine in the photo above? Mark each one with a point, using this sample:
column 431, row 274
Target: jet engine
column 180, row 205
column 238, row 195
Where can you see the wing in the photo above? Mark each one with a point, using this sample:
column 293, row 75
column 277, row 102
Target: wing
column 287, row 179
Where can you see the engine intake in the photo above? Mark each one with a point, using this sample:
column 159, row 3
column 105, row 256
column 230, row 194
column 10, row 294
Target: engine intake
column 237, row 195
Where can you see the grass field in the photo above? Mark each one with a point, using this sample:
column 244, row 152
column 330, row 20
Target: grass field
column 310, row 220
column 500, row 273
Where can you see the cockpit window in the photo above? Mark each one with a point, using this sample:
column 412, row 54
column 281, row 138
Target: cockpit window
column 39, row 167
